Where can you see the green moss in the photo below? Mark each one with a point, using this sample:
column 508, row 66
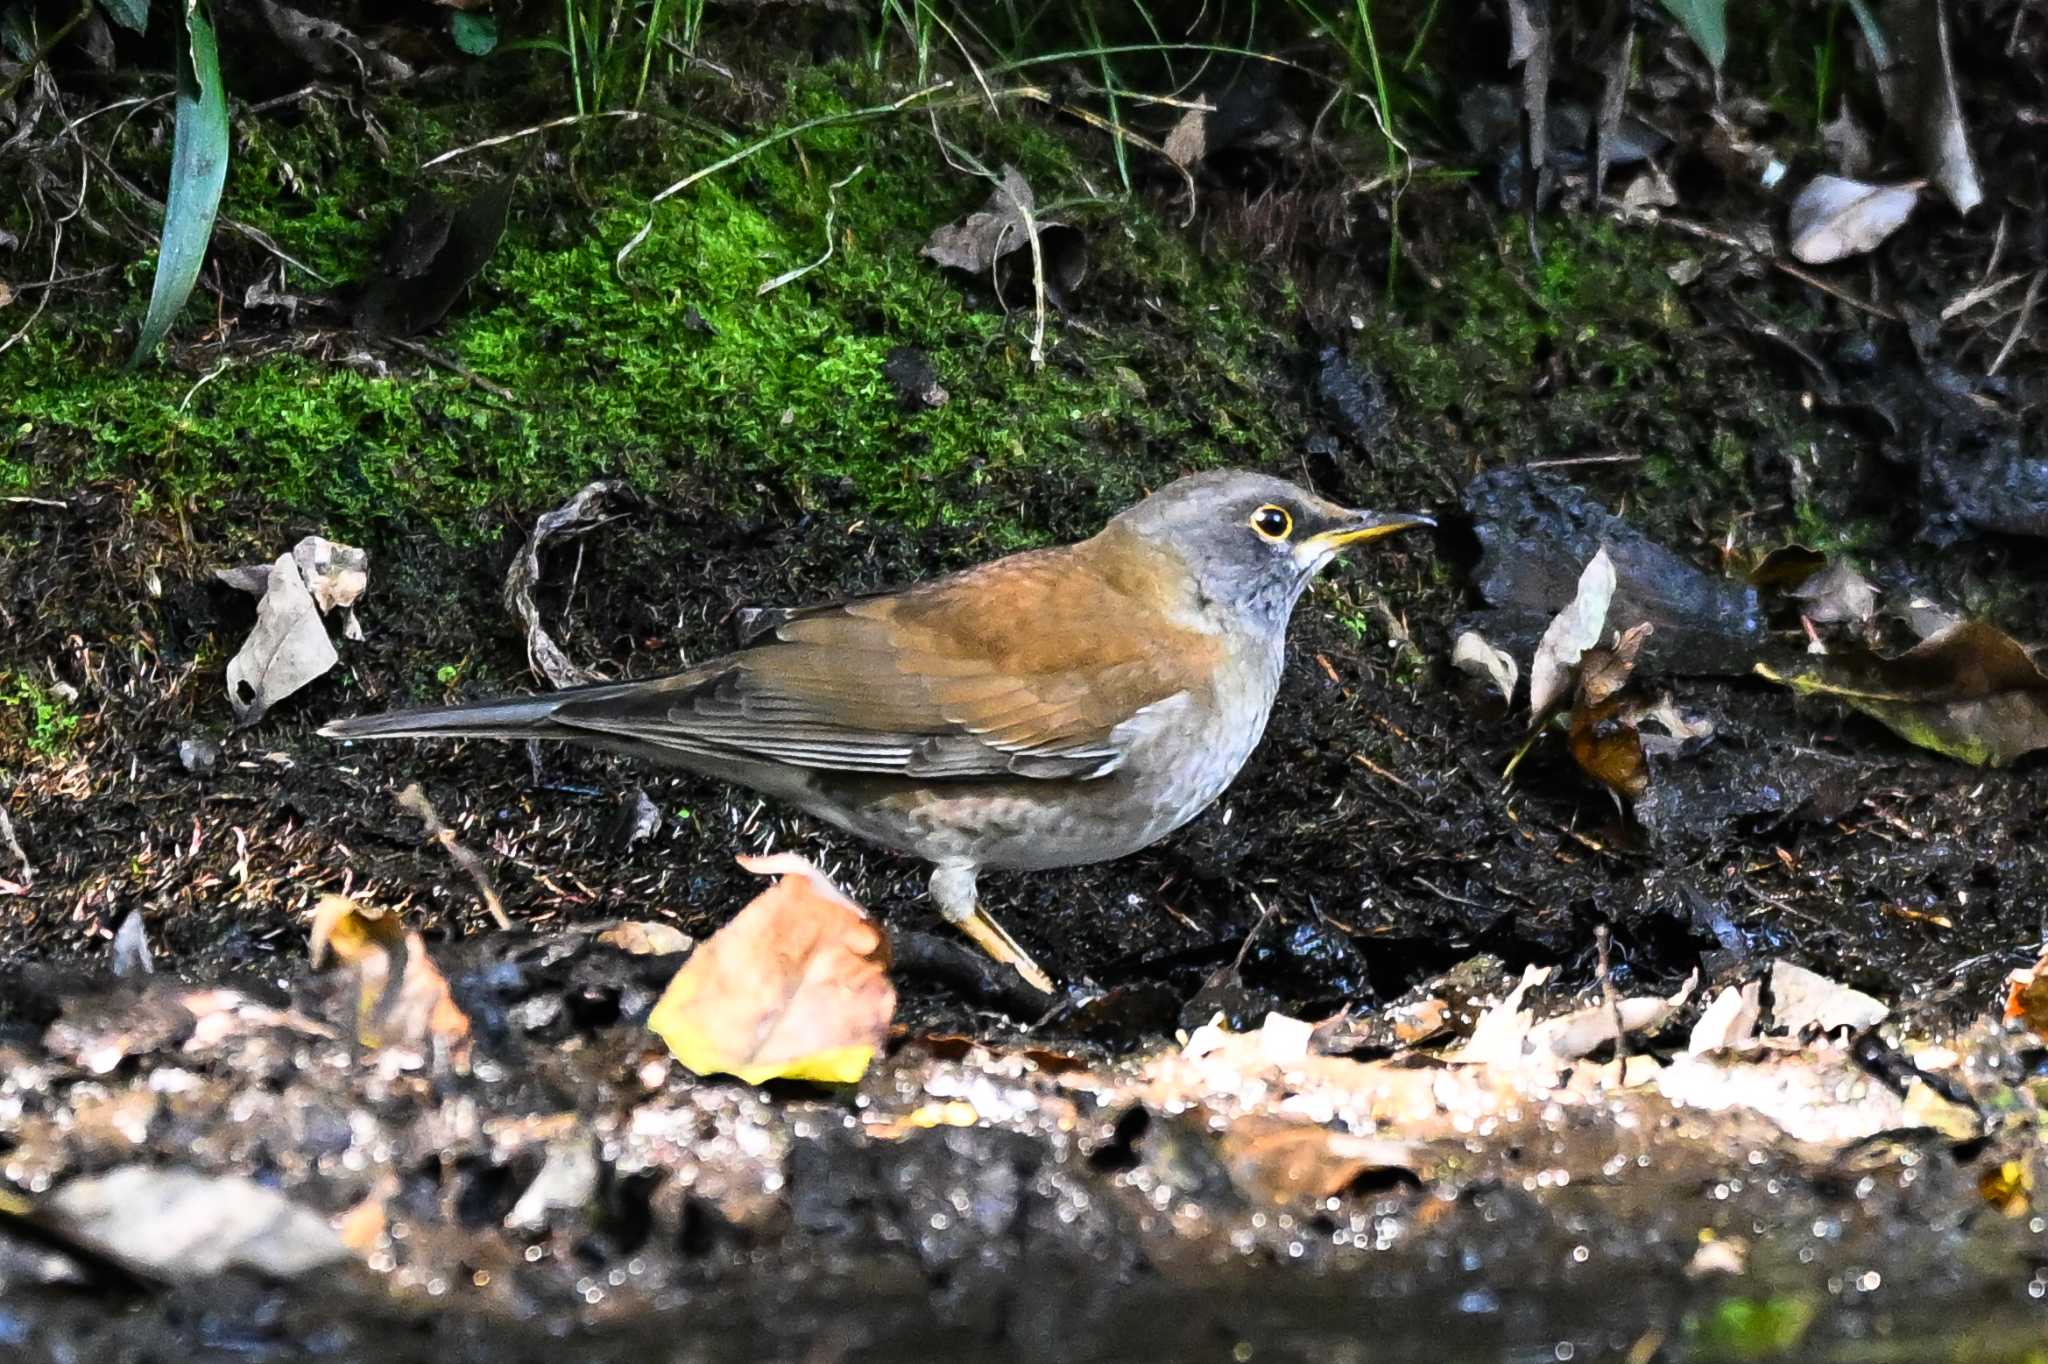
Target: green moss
column 34, row 719
column 614, row 373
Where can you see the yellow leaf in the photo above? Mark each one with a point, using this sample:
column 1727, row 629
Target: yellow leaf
column 796, row 987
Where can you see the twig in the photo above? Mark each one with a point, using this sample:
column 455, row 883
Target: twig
column 455, row 367
column 761, row 144
column 1602, row 939
column 2019, row 327
column 37, row 502
column 414, row 801
column 628, row 114
column 1582, row 459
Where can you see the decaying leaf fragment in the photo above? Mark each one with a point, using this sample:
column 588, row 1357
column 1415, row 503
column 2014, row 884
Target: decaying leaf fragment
column 2026, row 996
column 1803, row 999
column 586, row 510
column 287, row 649
column 1002, row 229
column 1571, row 632
column 1834, row 218
column 1603, row 736
column 1288, row 1162
column 402, row 999
column 1971, row 691
column 186, row 1225
column 796, row 987
column 1472, row 654
column 1919, row 90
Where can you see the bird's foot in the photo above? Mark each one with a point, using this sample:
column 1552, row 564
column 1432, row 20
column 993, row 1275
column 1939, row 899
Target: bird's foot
column 991, row 938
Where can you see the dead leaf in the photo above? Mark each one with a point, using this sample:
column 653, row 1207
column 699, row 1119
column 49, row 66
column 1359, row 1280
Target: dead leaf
column 1499, row 1036
column 1971, row 691
column 1529, row 48
column 796, row 987
column 6, row 293
column 1849, row 143
column 568, row 1182
column 2026, row 996
column 1730, row 1020
column 336, row 575
column 1803, row 999
column 432, row 255
column 1838, row 595
column 418, row 1012
column 1584, row 1031
column 1603, row 734
column 1919, row 91
column 190, row 1226
column 1571, row 632
column 328, row 48
column 287, row 649
column 1834, row 218
column 132, row 956
column 585, row 511
column 1472, row 654
column 646, row 938
column 1286, row 1162
column 1000, row 229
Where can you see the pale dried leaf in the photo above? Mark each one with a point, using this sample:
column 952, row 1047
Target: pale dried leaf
column 1472, row 654
column 1729, row 1021
column 646, row 938
column 287, row 649
column 336, row 575
column 1584, row 1031
column 1837, row 595
column 1834, row 218
column 186, row 1225
column 1802, row 999
column 1499, row 1037
column 1574, row 630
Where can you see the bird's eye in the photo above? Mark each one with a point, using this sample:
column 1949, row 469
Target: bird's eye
column 1273, row 522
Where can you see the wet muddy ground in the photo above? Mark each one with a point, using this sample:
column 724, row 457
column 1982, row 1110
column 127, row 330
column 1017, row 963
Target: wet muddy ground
column 1011, row 1180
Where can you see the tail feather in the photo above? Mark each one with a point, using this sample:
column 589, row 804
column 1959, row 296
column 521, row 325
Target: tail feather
column 512, row 717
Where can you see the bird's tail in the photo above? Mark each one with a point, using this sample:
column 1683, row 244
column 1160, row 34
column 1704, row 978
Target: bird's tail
column 510, row 717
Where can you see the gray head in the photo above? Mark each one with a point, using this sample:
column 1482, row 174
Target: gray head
column 1254, row 542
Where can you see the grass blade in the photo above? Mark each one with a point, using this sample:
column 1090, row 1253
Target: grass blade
column 199, row 168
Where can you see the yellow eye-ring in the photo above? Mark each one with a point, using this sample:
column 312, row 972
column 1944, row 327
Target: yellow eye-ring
column 1273, row 522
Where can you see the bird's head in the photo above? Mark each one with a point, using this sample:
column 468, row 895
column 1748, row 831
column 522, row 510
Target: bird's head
column 1252, row 542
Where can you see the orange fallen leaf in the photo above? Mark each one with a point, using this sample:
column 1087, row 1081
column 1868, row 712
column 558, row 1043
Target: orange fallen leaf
column 418, row 1010
column 2026, row 996
column 1295, row 1162
column 796, row 987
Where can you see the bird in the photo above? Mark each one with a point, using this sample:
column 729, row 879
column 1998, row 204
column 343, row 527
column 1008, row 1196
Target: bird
column 1051, row 708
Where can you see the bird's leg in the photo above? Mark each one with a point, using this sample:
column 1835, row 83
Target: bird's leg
column 953, row 890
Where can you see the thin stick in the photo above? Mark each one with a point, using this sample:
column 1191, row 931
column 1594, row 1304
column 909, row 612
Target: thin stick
column 457, row 368
column 414, row 801
column 761, row 144
column 2019, row 327
column 566, row 121
column 1602, row 940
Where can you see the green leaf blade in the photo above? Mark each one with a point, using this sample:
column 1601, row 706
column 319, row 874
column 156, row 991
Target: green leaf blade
column 132, row 15
column 1706, row 21
column 199, row 170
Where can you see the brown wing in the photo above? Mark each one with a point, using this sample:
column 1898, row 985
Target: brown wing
column 1030, row 666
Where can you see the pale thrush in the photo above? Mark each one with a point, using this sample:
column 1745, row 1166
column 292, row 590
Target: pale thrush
column 1051, row 708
